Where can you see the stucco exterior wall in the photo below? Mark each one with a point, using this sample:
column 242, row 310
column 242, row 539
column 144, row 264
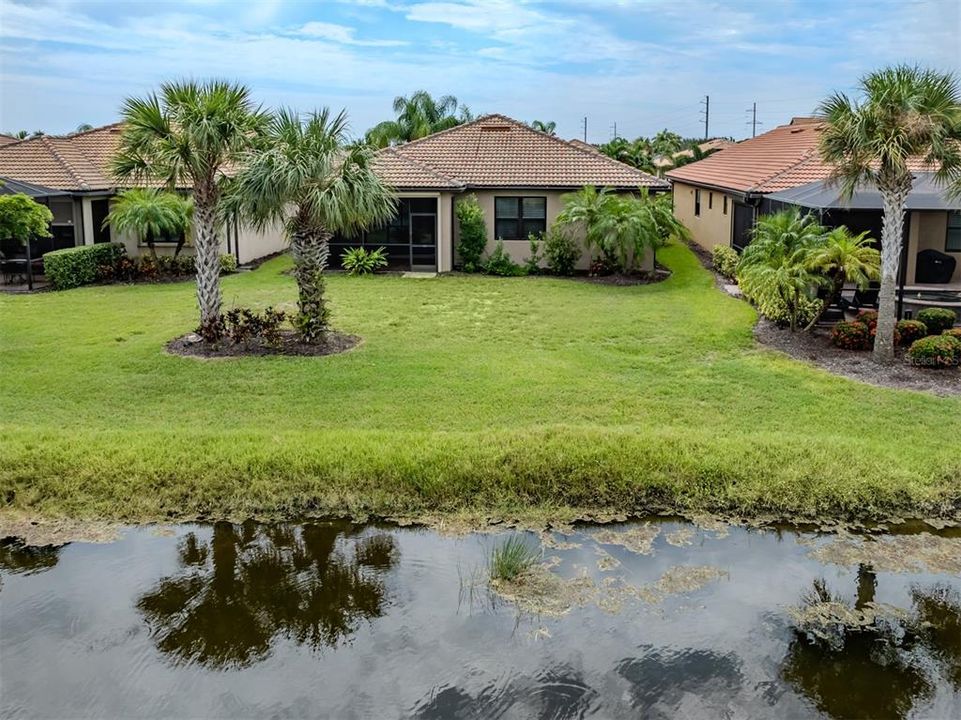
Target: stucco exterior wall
column 252, row 244
column 519, row 250
column 928, row 230
column 713, row 226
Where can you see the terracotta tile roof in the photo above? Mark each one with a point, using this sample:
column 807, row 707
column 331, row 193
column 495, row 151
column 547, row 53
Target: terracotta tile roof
column 780, row 159
column 760, row 164
column 403, row 172
column 7, row 139
column 499, row 152
column 580, row 144
column 72, row 162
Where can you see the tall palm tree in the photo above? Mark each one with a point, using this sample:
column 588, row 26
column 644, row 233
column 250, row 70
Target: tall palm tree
column 548, row 126
column 844, row 258
column 666, row 142
column 150, row 213
column 187, row 137
column 309, row 177
column 418, row 116
column 906, row 112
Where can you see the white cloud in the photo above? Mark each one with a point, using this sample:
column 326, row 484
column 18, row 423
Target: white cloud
column 342, row 34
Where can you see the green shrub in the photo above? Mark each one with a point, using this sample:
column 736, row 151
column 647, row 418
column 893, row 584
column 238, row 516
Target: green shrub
column 936, row 351
column 868, row 317
column 937, row 319
column 473, row 233
column 561, row 250
column 910, row 330
column 361, row 261
column 185, row 265
column 775, row 309
column 228, row 264
column 725, row 261
column 851, row 336
column 532, row 265
column 953, row 332
column 500, row 263
column 82, row 265
column 242, row 325
column 512, row 558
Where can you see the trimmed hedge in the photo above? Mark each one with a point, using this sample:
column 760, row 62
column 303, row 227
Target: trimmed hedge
column 936, row 351
column 937, row 319
column 76, row 266
column 907, row 331
column 851, row 336
column 725, row 260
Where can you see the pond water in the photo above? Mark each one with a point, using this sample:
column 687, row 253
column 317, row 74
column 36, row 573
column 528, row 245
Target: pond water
column 332, row 619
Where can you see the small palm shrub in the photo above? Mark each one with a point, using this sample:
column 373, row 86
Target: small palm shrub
column 936, row 351
column 907, row 331
column 512, row 558
column 851, row 336
column 724, row 260
column 361, row 261
column 473, row 233
column 937, row 319
column 561, row 250
column 500, row 263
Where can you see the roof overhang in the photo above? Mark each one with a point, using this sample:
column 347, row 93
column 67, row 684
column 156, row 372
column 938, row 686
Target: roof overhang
column 926, row 194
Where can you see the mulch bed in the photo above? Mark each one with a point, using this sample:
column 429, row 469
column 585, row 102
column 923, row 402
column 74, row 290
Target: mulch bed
column 815, row 347
column 621, row 280
column 191, row 345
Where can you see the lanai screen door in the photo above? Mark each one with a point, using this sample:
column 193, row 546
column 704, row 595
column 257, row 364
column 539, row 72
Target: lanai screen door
column 409, row 239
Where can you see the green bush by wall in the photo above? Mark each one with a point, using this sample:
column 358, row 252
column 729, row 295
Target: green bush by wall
column 76, row 266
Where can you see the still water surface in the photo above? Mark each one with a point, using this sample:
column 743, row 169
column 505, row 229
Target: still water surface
column 333, row 619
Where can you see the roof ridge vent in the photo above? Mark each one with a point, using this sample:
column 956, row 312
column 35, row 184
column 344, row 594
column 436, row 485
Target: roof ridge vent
column 496, row 127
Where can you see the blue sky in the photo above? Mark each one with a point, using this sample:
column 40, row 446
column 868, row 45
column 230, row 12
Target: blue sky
column 643, row 64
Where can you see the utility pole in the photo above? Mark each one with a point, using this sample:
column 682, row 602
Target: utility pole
column 753, row 121
column 707, row 115
column 614, row 131
column 585, row 128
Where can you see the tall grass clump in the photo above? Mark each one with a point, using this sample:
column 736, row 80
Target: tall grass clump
column 512, row 558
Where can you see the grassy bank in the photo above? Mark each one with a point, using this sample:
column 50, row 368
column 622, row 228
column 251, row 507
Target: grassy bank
column 467, row 392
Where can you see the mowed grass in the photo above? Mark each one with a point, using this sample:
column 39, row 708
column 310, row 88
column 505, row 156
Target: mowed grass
column 468, row 394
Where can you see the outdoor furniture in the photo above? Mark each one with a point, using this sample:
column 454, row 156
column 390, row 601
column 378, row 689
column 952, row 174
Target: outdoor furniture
column 19, row 262
column 934, row 267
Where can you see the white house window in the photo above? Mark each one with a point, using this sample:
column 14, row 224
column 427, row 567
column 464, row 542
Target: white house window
column 517, row 217
column 953, row 241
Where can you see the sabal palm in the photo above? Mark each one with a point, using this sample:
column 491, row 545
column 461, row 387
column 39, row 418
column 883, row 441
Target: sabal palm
column 845, row 258
column 308, row 176
column 417, row 116
column 906, row 113
column 150, row 213
column 186, row 137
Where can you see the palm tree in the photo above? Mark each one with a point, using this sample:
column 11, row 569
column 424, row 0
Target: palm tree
column 418, row 116
column 83, row 127
column 186, row 137
column 666, row 143
column 773, row 269
column 150, row 213
column 307, row 176
column 588, row 207
column 548, row 127
column 907, row 112
column 844, row 258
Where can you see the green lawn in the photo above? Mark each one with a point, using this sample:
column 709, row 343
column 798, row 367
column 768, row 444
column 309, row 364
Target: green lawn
column 467, row 393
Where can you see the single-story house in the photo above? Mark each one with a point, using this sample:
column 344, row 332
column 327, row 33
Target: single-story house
column 517, row 174
column 720, row 197
column 70, row 175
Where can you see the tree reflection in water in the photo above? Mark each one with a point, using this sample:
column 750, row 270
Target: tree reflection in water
column 15, row 557
column 880, row 671
column 253, row 583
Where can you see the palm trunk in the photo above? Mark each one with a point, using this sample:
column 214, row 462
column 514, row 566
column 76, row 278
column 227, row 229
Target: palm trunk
column 893, row 196
column 310, row 250
column 208, row 263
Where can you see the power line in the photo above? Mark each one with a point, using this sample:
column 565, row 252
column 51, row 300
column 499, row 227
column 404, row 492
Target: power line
column 753, row 121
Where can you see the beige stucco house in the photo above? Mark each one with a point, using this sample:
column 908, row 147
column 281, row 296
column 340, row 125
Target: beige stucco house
column 517, row 174
column 720, row 197
column 70, row 174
